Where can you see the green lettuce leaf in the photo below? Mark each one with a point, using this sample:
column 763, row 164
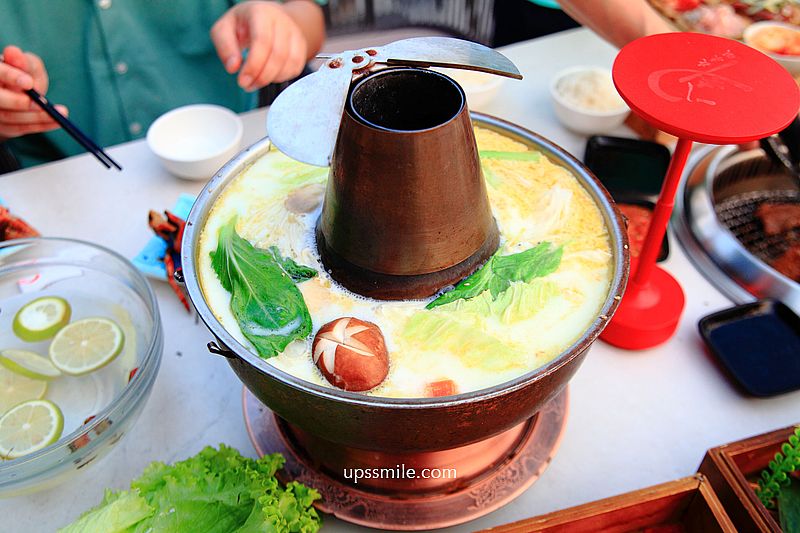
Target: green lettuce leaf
column 216, row 491
column 119, row 512
column 265, row 301
column 500, row 271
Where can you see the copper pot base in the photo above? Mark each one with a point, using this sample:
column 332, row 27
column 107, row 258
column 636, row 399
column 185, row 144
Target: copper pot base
column 491, row 472
column 390, row 287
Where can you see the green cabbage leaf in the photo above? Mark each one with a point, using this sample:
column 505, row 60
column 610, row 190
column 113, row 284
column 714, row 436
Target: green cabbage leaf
column 500, row 271
column 265, row 300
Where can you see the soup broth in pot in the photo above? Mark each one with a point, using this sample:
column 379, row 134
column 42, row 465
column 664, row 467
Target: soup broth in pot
column 535, row 312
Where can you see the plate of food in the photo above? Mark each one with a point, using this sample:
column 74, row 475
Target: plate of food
column 726, row 18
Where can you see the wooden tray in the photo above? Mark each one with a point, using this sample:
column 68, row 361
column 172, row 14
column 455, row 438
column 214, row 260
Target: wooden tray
column 727, row 468
column 689, row 502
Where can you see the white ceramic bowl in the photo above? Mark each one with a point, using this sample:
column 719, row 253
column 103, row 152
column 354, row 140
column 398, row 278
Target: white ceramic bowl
column 789, row 62
column 194, row 141
column 479, row 87
column 585, row 120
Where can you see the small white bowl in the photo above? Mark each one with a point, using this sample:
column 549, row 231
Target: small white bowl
column 480, row 87
column 194, row 141
column 789, row 62
column 585, row 120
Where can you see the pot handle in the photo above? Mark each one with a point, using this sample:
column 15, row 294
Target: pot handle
column 215, row 348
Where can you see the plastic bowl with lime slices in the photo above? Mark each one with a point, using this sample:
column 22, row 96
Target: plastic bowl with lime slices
column 80, row 347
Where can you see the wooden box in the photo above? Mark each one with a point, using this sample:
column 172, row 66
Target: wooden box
column 687, row 504
column 727, row 469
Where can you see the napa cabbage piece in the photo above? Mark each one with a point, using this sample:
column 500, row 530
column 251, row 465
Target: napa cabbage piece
column 516, row 304
column 432, row 331
column 507, row 288
column 216, row 491
column 488, row 172
column 530, row 155
column 289, row 174
column 265, row 301
column 500, row 271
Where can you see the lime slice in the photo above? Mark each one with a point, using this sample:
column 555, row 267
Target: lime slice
column 29, row 427
column 41, row 318
column 86, row 345
column 28, row 364
column 15, row 389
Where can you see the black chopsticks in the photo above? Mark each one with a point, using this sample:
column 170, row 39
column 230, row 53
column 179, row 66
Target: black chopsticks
column 72, row 129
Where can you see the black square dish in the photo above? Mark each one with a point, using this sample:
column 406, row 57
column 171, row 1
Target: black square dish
column 758, row 344
column 628, row 167
column 632, row 171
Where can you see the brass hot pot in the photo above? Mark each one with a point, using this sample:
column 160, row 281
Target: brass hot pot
column 392, row 425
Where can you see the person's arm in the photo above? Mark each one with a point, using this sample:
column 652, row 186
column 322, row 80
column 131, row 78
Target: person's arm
column 20, row 71
column 279, row 38
column 617, row 21
column 308, row 16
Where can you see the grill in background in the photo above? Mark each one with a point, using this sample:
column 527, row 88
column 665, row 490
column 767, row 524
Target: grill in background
column 715, row 222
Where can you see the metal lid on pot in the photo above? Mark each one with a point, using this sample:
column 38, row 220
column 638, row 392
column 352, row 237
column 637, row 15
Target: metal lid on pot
column 303, row 122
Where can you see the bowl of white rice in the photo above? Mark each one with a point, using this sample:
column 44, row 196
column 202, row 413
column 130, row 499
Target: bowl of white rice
column 585, row 100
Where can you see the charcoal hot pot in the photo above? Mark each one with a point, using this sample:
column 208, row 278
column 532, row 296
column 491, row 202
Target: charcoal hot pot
column 490, row 435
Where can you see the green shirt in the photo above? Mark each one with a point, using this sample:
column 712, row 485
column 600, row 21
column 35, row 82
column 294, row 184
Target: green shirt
column 118, row 64
column 552, row 4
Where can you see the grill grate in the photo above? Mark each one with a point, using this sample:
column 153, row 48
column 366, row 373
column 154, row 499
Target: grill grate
column 737, row 213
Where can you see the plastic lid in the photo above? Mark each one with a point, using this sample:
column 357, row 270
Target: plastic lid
column 706, row 88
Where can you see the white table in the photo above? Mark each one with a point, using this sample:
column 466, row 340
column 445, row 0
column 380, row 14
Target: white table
column 635, row 418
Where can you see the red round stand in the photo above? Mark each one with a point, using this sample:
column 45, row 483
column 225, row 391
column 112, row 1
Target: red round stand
column 660, row 300
column 698, row 88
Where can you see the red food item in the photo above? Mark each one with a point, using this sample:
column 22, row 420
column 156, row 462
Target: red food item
column 638, row 224
column 12, row 227
column 351, row 354
column 685, row 5
column 89, row 419
column 170, row 228
column 778, row 40
column 789, row 263
column 79, row 443
column 778, row 218
column 132, row 373
column 444, row 387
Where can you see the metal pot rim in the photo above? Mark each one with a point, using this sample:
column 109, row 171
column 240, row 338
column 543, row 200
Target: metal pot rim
column 617, row 234
column 389, row 71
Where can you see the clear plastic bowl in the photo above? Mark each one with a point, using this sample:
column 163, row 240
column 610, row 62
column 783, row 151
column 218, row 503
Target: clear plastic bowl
column 97, row 282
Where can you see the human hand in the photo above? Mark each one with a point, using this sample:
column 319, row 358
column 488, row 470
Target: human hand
column 20, row 71
column 277, row 46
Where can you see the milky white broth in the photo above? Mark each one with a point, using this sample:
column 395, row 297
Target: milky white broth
column 533, row 201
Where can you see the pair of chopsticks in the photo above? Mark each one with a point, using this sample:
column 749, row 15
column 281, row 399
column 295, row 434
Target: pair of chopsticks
column 72, row 129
